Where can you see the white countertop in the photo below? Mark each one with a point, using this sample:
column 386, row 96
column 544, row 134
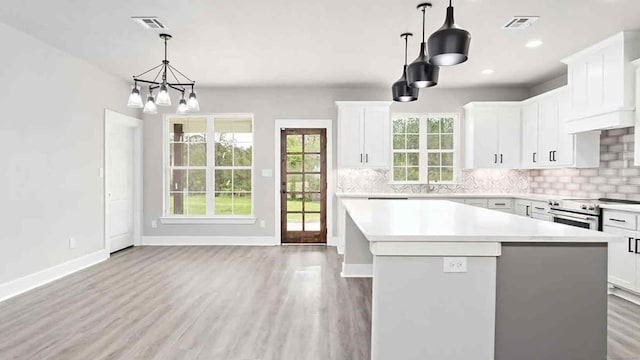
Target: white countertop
column 524, row 196
column 447, row 221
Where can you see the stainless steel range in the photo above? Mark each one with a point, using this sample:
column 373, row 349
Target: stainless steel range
column 584, row 213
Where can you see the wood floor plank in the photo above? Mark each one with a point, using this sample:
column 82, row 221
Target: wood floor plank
column 227, row 303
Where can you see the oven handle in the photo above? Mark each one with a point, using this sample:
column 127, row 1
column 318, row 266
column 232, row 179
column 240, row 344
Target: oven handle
column 587, row 218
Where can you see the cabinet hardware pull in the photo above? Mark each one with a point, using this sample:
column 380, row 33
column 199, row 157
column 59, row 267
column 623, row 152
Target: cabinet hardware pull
column 526, row 209
column 534, row 157
column 630, row 245
column 617, row 220
column 361, row 158
column 550, row 156
column 554, row 155
column 538, row 208
column 637, row 246
column 367, row 158
column 500, row 204
column 495, row 158
column 500, row 158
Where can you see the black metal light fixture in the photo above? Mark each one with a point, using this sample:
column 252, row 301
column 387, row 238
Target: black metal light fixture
column 401, row 90
column 182, row 82
column 450, row 44
column 421, row 73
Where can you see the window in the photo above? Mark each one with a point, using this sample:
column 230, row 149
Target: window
column 425, row 148
column 210, row 166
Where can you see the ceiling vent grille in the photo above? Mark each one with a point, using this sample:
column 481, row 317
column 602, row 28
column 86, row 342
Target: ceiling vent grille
column 520, row 22
column 149, row 22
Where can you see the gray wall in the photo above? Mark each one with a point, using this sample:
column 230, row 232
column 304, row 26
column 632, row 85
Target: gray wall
column 268, row 105
column 52, row 144
column 548, row 85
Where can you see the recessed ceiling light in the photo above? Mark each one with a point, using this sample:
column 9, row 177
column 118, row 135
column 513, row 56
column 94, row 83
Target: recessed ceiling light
column 487, row 72
column 534, row 43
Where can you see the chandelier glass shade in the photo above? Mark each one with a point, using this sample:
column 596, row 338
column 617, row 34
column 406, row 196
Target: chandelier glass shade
column 167, row 78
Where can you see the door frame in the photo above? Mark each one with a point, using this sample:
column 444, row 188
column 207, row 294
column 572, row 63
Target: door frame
column 110, row 118
column 305, row 124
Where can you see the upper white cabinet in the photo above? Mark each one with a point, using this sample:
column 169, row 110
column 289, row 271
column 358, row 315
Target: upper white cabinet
column 492, row 132
column 546, row 142
column 363, row 134
column 602, row 84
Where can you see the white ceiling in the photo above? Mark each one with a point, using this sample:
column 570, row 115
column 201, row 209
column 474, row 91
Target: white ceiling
column 321, row 42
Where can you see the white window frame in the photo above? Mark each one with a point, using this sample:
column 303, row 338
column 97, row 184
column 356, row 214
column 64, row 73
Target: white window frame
column 210, row 217
column 423, row 151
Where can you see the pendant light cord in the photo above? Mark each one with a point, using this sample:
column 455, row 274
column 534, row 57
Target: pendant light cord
column 406, row 44
column 423, row 20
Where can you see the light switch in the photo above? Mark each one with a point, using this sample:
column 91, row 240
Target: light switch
column 267, row 172
column 455, row 264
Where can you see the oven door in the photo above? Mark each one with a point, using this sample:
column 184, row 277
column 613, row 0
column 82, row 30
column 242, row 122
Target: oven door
column 573, row 219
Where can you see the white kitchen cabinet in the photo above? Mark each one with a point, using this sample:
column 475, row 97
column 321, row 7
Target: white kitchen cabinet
column 602, row 85
column 492, row 135
column 623, row 261
column 546, row 143
column 477, row 202
column 636, row 136
column 523, row 208
column 363, row 134
column 540, row 216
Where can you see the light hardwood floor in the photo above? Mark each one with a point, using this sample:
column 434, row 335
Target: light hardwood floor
column 226, row 303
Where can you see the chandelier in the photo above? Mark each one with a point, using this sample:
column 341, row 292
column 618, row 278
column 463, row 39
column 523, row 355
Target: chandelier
column 163, row 81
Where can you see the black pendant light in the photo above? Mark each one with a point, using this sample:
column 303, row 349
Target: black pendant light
column 402, row 92
column 450, row 44
column 421, row 73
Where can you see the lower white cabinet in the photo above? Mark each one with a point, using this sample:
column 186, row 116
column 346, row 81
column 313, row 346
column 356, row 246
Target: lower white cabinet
column 477, row 202
column 523, row 208
column 624, row 254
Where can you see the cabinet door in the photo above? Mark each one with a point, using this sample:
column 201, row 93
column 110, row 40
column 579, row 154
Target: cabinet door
column 485, row 142
column 565, row 148
column 578, row 85
column 530, row 155
column 376, row 137
column 622, row 262
column 548, row 130
column 509, row 125
column 350, row 136
column 595, row 82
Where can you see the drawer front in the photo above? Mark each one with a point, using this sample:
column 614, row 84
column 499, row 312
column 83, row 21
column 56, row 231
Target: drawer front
column 520, row 202
column 477, row 202
column 500, row 203
column 539, row 207
column 620, row 219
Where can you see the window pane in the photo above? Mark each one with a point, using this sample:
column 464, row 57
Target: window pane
column 399, row 159
column 447, row 125
column 198, row 154
column 447, row 174
column 197, row 180
column 242, row 153
column 312, row 183
column 434, row 174
column 294, row 143
column 312, row 202
column 223, row 204
column 447, row 142
column 399, row 142
column 312, row 162
column 413, row 142
column 196, row 204
column 177, row 203
column 312, row 143
column 398, row 126
column 447, row 159
column 434, row 159
column 195, row 130
column 178, row 180
column 399, row 174
column 241, row 180
column 242, row 204
column 178, row 154
column 433, row 125
column 223, row 180
column 311, row 222
column 433, row 141
column 413, row 159
column 294, row 163
column 294, row 202
column 242, row 131
column 224, row 150
column 413, row 126
column 294, row 222
column 294, row 183
column 413, row 174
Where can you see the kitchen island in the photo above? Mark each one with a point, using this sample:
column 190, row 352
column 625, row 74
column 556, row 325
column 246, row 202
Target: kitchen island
column 457, row 282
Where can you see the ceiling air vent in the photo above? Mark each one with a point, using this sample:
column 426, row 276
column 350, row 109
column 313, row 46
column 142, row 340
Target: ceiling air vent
column 520, row 22
column 149, row 22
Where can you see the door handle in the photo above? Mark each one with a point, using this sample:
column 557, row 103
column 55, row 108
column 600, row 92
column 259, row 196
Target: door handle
column 534, row 157
column 631, row 245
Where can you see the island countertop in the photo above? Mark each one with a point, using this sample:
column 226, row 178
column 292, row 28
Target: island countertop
column 448, row 221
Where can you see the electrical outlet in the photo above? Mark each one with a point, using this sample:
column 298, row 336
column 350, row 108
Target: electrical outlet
column 262, row 224
column 72, row 243
column 154, row 224
column 455, row 264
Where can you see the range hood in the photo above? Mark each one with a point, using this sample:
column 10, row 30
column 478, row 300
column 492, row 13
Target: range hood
column 602, row 84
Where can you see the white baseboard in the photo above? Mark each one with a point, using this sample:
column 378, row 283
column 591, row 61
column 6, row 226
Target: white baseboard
column 26, row 283
column 357, row 270
column 209, row 240
column 332, row 241
column 624, row 294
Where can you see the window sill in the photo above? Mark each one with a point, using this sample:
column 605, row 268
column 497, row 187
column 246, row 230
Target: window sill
column 184, row 220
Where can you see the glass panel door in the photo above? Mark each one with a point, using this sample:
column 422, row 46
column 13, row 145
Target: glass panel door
column 303, row 186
